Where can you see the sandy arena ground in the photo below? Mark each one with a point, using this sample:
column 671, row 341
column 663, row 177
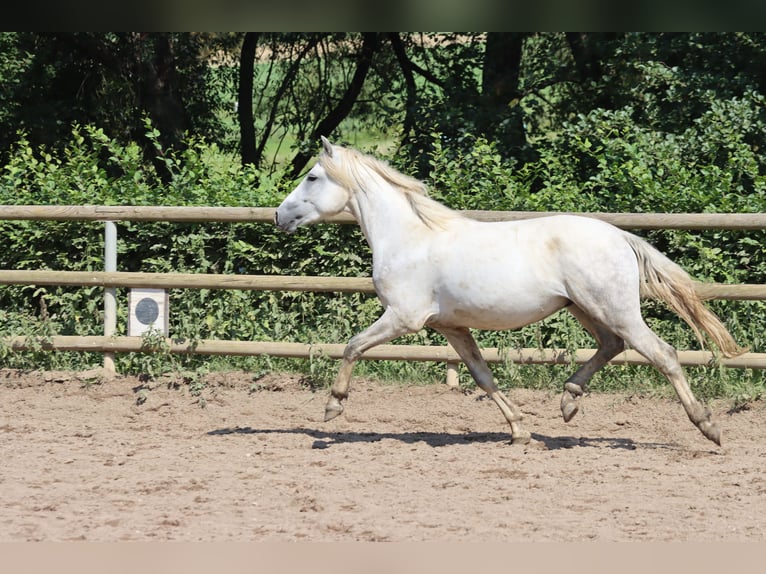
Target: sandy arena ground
column 123, row 460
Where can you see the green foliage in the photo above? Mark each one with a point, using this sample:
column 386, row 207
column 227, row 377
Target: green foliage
column 54, row 80
column 631, row 122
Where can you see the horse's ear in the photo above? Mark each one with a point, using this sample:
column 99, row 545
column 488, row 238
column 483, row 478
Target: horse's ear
column 327, row 146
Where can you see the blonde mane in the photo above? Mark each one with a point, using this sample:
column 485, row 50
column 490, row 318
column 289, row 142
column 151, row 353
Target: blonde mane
column 353, row 170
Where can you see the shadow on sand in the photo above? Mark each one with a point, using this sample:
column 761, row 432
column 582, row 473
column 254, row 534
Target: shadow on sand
column 325, row 439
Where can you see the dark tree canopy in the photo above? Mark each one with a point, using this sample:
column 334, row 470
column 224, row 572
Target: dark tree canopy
column 269, row 95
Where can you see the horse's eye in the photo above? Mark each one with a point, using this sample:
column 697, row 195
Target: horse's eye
column 311, row 177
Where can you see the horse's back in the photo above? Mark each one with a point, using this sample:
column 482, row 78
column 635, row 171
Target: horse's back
column 540, row 241
column 508, row 274
column 574, row 249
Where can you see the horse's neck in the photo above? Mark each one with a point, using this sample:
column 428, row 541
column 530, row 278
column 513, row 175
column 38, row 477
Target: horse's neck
column 386, row 218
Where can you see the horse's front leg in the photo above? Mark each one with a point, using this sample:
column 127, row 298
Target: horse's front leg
column 463, row 342
column 387, row 327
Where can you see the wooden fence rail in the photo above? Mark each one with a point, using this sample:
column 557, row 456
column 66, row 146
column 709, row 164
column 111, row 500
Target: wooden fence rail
column 273, row 282
column 732, row 221
column 190, row 281
column 112, row 279
column 443, row 354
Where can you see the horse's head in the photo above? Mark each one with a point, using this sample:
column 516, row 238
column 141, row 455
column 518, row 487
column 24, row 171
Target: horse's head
column 316, row 198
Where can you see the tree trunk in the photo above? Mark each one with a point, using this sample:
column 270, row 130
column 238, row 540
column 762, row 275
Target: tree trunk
column 588, row 52
column 500, row 89
column 159, row 93
column 502, row 64
column 409, row 81
column 245, row 99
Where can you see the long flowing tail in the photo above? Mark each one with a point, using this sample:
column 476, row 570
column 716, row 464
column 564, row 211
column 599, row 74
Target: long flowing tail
column 663, row 279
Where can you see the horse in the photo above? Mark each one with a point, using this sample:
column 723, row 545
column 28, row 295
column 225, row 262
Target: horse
column 434, row 267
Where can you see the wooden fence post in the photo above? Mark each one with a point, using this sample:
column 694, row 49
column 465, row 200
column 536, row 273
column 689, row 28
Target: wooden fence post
column 453, row 379
column 110, row 293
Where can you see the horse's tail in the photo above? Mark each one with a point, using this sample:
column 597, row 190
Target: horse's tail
column 663, row 279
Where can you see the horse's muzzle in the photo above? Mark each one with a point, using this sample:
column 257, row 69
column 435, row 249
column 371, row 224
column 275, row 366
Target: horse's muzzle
column 284, row 225
column 280, row 225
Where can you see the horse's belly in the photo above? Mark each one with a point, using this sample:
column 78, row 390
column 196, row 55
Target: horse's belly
column 497, row 315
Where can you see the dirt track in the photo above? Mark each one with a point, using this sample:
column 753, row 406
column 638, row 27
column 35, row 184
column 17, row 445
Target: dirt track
column 404, row 463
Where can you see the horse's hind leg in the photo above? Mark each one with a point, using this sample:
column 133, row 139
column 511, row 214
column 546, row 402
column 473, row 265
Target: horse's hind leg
column 665, row 359
column 609, row 346
column 626, row 324
column 465, row 345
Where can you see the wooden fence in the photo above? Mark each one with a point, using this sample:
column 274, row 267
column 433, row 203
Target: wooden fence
column 110, row 279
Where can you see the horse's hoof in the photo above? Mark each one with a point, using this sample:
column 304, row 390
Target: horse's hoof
column 711, row 431
column 702, row 418
column 332, row 409
column 522, row 437
column 569, row 407
column 569, row 410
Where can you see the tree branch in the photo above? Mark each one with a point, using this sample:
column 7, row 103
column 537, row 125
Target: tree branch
column 332, row 120
column 409, row 81
column 287, row 81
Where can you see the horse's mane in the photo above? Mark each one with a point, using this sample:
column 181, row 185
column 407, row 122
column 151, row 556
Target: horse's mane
column 352, row 172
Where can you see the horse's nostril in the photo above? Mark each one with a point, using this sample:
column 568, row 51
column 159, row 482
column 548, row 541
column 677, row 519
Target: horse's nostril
column 276, row 218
